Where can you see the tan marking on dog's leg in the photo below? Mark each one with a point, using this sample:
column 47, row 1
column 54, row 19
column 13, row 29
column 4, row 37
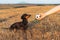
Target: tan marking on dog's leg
column 15, row 30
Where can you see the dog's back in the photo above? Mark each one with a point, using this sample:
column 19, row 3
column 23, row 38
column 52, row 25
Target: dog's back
column 18, row 25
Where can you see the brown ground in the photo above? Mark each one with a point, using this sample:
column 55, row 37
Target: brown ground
column 46, row 29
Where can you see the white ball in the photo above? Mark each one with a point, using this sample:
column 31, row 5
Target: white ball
column 38, row 16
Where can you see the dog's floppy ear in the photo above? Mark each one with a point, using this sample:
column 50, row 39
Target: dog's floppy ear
column 23, row 16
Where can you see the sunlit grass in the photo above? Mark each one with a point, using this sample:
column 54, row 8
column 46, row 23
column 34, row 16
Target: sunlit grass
column 46, row 29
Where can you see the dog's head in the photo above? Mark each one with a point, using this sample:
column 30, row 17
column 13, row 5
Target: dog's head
column 25, row 16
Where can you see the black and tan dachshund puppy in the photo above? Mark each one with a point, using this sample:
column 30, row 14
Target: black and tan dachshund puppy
column 21, row 25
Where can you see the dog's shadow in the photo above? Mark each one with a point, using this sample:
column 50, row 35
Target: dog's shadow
column 5, row 29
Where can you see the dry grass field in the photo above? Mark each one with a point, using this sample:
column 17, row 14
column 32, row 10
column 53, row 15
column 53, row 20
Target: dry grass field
column 46, row 29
